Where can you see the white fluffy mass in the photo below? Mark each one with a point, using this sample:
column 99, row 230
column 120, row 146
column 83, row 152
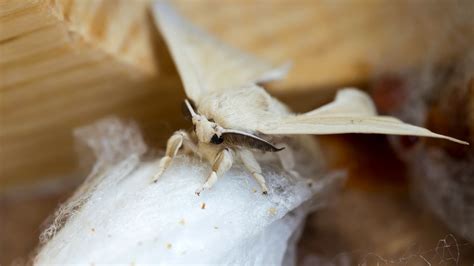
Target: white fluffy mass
column 120, row 216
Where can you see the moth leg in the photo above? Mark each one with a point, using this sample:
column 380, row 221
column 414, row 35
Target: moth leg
column 189, row 147
column 222, row 163
column 287, row 160
column 172, row 146
column 253, row 167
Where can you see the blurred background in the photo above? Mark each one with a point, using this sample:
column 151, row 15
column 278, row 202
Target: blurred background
column 410, row 201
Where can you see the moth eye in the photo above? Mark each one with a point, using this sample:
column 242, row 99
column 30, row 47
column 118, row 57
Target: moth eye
column 211, row 120
column 217, row 140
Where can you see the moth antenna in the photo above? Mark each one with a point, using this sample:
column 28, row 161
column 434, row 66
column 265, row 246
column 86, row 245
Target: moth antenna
column 188, row 109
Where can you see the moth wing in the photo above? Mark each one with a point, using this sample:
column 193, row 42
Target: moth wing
column 204, row 63
column 352, row 112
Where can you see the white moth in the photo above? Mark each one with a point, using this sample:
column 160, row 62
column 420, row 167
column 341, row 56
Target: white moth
column 233, row 117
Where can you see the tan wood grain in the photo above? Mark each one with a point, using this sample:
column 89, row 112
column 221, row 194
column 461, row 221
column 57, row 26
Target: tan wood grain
column 340, row 42
column 58, row 74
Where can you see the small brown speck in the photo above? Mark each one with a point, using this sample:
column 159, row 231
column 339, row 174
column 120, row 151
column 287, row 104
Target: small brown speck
column 272, row 211
column 215, row 227
column 203, row 206
column 169, row 246
column 92, row 230
column 182, row 222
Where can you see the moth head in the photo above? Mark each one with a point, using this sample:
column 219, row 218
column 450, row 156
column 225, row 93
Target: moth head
column 206, row 129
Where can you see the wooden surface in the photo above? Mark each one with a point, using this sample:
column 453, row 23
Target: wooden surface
column 66, row 63
column 340, row 42
column 58, row 74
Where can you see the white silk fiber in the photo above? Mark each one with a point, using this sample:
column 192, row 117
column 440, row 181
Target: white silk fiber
column 119, row 216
